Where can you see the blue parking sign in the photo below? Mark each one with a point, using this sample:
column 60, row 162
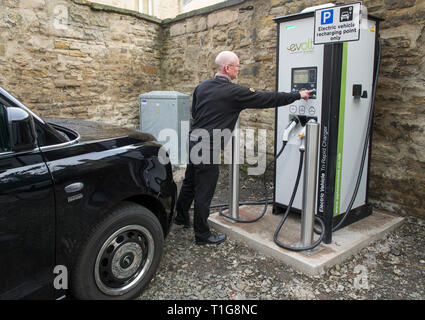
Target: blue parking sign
column 327, row 17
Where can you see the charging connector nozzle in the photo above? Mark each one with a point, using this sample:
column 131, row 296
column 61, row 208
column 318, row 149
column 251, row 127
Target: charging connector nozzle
column 289, row 128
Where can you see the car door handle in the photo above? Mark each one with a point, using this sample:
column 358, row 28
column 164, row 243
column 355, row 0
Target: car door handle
column 74, row 187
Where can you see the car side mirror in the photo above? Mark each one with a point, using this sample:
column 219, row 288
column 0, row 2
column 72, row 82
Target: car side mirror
column 21, row 129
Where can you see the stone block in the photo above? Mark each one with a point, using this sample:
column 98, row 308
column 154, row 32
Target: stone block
column 61, row 44
column 196, row 25
column 222, row 18
column 397, row 4
column 149, row 69
column 77, row 53
column 10, row 19
column 66, row 83
column 2, row 49
column 407, row 33
column 279, row 11
column 32, row 4
column 178, row 29
column 277, row 3
column 83, row 15
column 267, row 21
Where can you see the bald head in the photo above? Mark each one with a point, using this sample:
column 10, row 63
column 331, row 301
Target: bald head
column 227, row 63
column 225, row 58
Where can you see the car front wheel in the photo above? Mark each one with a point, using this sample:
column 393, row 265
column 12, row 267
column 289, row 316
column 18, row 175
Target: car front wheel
column 120, row 257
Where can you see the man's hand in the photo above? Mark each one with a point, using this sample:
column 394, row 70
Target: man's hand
column 306, row 93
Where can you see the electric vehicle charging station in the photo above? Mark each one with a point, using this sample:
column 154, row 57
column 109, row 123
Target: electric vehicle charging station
column 342, row 73
column 335, row 126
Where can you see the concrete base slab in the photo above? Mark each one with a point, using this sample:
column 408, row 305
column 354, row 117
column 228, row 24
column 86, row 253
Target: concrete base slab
column 346, row 242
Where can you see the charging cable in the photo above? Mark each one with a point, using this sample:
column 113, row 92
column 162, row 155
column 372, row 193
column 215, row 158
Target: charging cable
column 266, row 200
column 288, row 209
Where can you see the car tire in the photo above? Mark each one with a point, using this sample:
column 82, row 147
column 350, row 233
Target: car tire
column 120, row 256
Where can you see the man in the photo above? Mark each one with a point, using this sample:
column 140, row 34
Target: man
column 216, row 104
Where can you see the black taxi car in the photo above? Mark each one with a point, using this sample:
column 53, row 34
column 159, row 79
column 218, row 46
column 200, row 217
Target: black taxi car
column 91, row 200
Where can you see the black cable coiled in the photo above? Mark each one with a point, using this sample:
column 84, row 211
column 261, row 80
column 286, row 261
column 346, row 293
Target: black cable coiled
column 266, row 197
column 282, row 221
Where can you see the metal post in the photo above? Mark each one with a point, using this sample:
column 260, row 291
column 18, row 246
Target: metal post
column 310, row 182
column 234, row 173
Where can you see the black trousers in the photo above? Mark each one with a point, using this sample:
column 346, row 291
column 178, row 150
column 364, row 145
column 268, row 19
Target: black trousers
column 198, row 185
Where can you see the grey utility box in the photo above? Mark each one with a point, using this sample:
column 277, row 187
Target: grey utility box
column 166, row 115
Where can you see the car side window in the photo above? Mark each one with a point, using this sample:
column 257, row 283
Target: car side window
column 48, row 136
column 4, row 134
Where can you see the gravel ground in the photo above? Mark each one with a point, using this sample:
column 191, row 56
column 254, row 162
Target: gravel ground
column 392, row 268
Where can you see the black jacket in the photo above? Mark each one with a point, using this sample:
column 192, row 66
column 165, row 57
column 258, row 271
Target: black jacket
column 217, row 103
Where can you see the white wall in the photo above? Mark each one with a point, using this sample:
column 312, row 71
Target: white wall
column 197, row 4
column 125, row 4
column 160, row 8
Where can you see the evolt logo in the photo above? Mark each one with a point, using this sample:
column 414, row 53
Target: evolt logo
column 301, row 47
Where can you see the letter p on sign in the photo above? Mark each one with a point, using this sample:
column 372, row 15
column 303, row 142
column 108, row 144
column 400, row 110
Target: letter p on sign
column 327, row 17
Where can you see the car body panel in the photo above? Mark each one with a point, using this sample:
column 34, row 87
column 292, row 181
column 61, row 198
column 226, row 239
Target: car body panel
column 53, row 196
column 109, row 176
column 27, row 225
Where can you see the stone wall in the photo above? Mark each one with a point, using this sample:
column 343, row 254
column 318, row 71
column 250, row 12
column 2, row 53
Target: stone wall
column 70, row 58
column 76, row 60
column 397, row 172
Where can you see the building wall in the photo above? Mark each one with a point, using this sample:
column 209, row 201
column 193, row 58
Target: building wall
column 189, row 5
column 125, row 4
column 64, row 59
column 162, row 9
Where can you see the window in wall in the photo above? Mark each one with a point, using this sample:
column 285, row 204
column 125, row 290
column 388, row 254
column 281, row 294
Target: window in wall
column 146, row 6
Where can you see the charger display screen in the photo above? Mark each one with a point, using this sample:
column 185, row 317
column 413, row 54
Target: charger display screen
column 301, row 76
column 304, row 79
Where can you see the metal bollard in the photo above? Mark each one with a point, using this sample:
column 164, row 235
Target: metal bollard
column 310, row 182
column 234, row 173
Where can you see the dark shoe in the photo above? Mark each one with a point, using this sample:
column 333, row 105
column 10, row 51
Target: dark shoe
column 185, row 224
column 214, row 238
